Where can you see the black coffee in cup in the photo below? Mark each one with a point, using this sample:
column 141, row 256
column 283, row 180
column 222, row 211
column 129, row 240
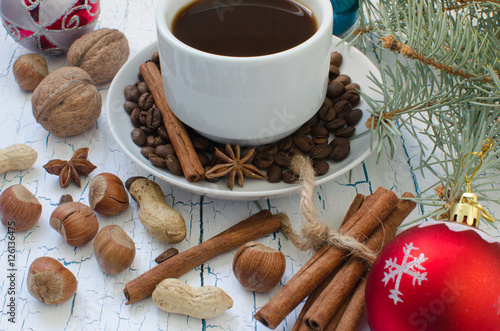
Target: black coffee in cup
column 244, row 27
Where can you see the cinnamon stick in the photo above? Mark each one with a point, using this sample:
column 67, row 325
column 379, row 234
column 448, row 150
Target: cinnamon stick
column 188, row 158
column 354, row 207
column 299, row 326
column 324, row 308
column 354, row 310
column 300, row 323
column 329, row 301
column 375, row 208
column 332, row 325
column 252, row 228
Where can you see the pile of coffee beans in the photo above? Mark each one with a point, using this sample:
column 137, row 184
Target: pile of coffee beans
column 324, row 137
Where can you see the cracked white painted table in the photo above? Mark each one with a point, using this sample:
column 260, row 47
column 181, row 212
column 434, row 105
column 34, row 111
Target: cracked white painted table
column 99, row 303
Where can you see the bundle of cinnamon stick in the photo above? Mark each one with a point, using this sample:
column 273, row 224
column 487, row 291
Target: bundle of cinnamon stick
column 332, row 280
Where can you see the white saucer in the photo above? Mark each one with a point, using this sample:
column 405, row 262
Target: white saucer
column 355, row 64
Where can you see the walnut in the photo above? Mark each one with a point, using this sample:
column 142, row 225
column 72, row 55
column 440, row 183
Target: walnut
column 101, row 53
column 66, row 102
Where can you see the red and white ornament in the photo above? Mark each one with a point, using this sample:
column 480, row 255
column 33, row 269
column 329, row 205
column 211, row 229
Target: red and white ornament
column 48, row 26
column 436, row 276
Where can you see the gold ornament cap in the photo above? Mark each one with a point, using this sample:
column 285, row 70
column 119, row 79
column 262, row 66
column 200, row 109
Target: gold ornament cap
column 467, row 210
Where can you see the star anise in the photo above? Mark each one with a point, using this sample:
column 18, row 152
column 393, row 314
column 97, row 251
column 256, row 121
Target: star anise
column 71, row 170
column 234, row 165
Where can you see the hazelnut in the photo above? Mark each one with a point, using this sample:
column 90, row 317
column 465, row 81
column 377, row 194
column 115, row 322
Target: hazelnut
column 76, row 222
column 19, row 208
column 29, row 70
column 257, row 267
column 107, row 195
column 51, row 282
column 66, row 102
column 101, row 53
column 114, row 249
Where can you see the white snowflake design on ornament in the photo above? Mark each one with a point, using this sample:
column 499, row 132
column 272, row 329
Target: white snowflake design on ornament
column 396, row 271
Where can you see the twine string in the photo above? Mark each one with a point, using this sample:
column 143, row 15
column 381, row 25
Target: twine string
column 315, row 233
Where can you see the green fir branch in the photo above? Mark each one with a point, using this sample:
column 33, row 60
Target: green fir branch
column 444, row 89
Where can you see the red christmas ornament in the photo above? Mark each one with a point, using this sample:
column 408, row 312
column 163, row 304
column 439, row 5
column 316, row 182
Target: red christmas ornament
column 436, row 276
column 48, row 26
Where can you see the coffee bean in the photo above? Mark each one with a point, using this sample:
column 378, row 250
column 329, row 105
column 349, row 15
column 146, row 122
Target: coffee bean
column 134, row 117
column 214, row 160
column 320, row 134
column 154, row 141
column 295, row 151
column 336, row 59
column 162, row 131
column 129, row 106
column 305, row 129
column 319, row 131
column 154, row 119
column 155, row 57
column 335, row 88
column 352, row 87
column 268, row 148
column 263, row 160
column 313, row 120
column 327, row 102
column 146, row 151
column 282, row 159
column 343, row 79
column 204, row 159
column 173, row 164
column 290, row 177
column 340, row 149
column 339, row 141
column 143, row 117
column 131, row 93
column 201, row 143
column 274, row 174
column 342, row 108
column 353, row 117
column 327, row 114
column 303, row 142
column 149, row 131
column 352, row 96
column 320, row 167
column 157, row 161
column 138, row 137
column 145, row 101
column 164, row 150
column 335, row 124
column 334, row 71
column 285, row 144
column 339, row 153
column 337, row 99
column 142, row 87
column 320, row 151
column 345, row 132
column 320, row 140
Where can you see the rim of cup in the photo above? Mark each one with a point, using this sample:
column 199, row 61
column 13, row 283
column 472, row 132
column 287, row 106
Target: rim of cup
column 323, row 15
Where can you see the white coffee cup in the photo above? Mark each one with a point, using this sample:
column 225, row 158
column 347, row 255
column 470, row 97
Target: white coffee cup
column 250, row 100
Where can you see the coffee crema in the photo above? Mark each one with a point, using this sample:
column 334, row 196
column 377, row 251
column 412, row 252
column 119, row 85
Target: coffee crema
column 244, row 27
